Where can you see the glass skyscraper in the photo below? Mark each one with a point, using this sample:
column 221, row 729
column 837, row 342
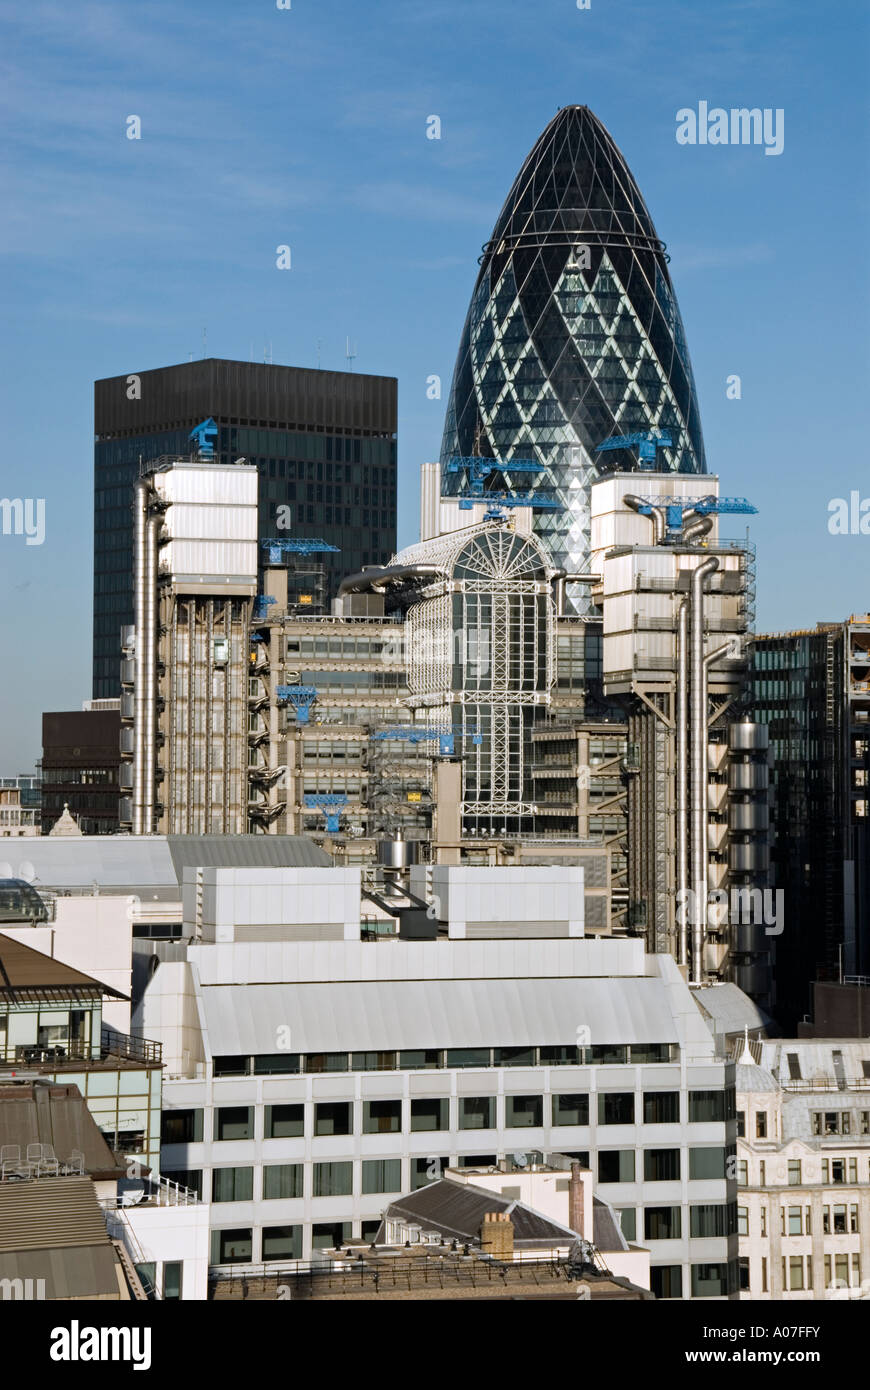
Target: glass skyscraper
column 324, row 444
column 573, row 334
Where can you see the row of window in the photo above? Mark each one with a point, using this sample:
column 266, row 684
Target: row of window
column 706, row 1281
column 439, row 1059
column 233, row 1122
column 836, row 1171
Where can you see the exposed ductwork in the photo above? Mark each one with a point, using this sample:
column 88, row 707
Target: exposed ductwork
column 698, row 772
column 150, row 730
column 657, row 516
column 380, row 576
column 682, row 828
column 560, row 579
column 702, row 527
column 140, row 691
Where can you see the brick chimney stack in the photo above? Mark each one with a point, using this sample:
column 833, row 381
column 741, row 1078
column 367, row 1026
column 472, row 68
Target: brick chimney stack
column 575, row 1203
column 497, row 1235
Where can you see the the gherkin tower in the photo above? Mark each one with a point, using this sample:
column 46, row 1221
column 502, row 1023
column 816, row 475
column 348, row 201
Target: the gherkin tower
column 573, row 334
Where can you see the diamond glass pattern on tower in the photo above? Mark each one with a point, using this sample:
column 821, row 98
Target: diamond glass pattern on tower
column 573, row 335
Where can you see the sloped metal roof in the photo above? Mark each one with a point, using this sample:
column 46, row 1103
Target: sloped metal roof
column 53, row 1229
column 377, row 1015
column 152, row 864
column 729, row 1009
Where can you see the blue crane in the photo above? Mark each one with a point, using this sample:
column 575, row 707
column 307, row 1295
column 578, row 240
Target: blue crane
column 477, row 470
column 261, row 604
column 646, row 442
column 203, row 436
column 301, row 697
column 295, row 545
column 331, row 804
column 416, row 733
column 702, row 506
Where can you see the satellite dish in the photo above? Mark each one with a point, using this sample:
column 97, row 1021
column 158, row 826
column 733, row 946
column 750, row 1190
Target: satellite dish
column 520, row 1160
column 26, row 871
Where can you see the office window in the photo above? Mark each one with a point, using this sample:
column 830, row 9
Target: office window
column 666, row 1281
column 333, row 1117
column 794, row 1066
column 282, row 1243
column 514, row 1057
column 570, row 1109
column 661, row 1165
column 762, row 1172
column 743, row 1273
column 839, row 1221
column 523, row 1112
column 794, row 1172
column 326, row 1061
column 284, row 1122
column 231, row 1066
column 608, row 1053
column 627, row 1217
column 661, row 1223
column 708, row 1162
column 853, row 1219
column 330, row 1235
column 761, row 1124
column 424, row 1060
column 616, row 1165
column 282, row 1180
column 853, row 1170
column 426, row 1170
column 468, row 1057
column 232, row 1184
column 709, row 1281
column 796, row 1272
column 559, row 1056
column 764, row 1274
column 764, row 1221
column 743, row 1221
column 741, row 1124
column 477, row 1160
column 234, row 1122
column 172, row 1272
column 232, row 1246
column 277, row 1064
column 661, row 1107
column 382, row 1116
column 373, row 1061
column 430, row 1114
column 333, row 1179
column 650, row 1052
column 477, row 1112
column 190, row 1178
column 181, row 1127
column 711, row 1219
column 382, row 1175
column 616, row 1108
column 710, row 1107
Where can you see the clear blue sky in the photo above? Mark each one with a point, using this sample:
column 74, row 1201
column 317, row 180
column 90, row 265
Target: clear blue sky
column 307, row 126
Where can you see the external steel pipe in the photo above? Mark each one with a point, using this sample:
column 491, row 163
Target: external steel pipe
column 656, row 515
column 379, row 575
column 698, row 773
column 150, row 730
column 139, row 691
column 682, row 722
column 702, row 527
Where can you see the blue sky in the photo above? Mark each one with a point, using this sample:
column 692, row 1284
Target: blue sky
column 307, row 126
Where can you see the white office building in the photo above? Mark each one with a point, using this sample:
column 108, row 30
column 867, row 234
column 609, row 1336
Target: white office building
column 312, row 1076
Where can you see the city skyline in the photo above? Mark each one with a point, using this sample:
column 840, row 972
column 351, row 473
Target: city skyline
column 96, row 291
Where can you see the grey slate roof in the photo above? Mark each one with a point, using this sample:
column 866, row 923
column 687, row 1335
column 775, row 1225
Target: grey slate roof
column 457, row 1210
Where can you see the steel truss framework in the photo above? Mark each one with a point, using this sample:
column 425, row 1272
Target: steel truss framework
column 482, row 655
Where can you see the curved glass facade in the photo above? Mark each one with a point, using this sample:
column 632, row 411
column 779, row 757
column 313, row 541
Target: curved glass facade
column 573, row 334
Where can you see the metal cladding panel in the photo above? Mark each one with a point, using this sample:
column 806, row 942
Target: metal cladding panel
column 208, row 483
column 618, row 652
column 359, row 1016
column 203, row 521
column 222, row 561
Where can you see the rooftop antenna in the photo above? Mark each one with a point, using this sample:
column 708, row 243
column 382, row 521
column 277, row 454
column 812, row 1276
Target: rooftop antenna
column 204, row 340
column 350, row 355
